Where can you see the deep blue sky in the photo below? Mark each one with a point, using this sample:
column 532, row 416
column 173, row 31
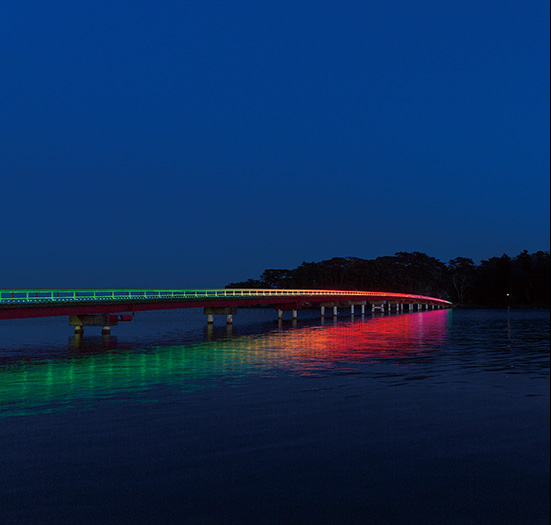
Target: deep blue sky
column 190, row 144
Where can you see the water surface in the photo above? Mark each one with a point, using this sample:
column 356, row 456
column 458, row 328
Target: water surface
column 430, row 417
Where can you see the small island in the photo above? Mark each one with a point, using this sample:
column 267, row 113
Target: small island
column 520, row 281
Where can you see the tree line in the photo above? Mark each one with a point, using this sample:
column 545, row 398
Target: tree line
column 497, row 281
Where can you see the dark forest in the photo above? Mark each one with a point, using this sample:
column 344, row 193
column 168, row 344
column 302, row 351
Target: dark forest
column 523, row 280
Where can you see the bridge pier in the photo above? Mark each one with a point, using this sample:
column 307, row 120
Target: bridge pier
column 353, row 304
column 228, row 311
column 286, row 307
column 106, row 321
column 322, row 311
column 335, row 311
column 103, row 320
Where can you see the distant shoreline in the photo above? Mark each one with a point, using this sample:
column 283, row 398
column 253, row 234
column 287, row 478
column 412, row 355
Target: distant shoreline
column 501, row 307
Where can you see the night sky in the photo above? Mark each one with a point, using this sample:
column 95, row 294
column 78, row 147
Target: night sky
column 191, row 144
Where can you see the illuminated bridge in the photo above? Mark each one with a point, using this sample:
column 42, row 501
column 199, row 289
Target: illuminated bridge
column 102, row 307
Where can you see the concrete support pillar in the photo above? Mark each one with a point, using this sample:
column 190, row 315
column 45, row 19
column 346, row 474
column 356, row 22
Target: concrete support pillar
column 322, row 311
column 335, row 311
column 351, row 309
column 103, row 320
column 280, row 315
column 211, row 311
column 401, row 307
column 294, row 316
column 363, row 309
column 410, row 307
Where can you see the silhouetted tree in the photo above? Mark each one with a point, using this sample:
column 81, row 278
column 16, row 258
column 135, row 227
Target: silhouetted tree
column 249, row 283
column 493, row 283
column 462, row 276
column 275, row 278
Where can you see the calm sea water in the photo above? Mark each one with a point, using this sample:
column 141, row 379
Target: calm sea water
column 432, row 417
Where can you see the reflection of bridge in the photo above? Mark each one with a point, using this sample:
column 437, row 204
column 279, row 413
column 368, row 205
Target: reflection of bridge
column 104, row 308
column 104, row 368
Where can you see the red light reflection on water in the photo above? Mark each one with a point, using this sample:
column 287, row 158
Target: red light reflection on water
column 395, row 337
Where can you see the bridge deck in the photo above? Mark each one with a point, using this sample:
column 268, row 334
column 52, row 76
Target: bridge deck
column 19, row 303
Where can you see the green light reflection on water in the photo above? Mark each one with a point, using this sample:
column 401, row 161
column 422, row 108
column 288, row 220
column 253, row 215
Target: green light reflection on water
column 59, row 383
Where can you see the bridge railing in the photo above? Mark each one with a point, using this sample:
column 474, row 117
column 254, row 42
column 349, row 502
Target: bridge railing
column 30, row 296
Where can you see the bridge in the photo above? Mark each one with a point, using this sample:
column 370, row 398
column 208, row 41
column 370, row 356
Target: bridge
column 108, row 307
